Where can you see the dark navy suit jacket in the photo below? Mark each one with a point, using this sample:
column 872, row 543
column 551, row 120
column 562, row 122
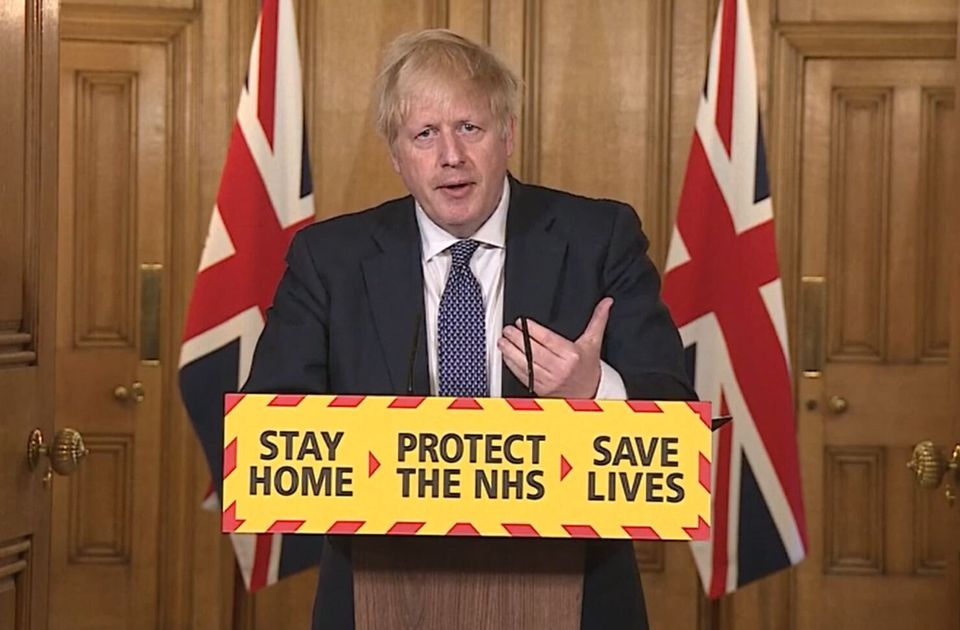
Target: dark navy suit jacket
column 344, row 318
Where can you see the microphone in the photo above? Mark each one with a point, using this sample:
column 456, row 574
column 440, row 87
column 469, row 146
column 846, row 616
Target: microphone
column 411, row 365
column 528, row 351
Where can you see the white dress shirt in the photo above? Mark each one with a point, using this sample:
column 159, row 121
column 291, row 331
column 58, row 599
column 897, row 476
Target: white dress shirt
column 487, row 265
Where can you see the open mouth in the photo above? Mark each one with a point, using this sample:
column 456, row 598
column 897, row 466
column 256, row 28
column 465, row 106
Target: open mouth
column 456, row 190
column 455, row 186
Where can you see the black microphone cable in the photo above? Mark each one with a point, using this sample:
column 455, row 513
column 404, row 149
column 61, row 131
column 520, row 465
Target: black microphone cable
column 528, row 351
column 411, row 366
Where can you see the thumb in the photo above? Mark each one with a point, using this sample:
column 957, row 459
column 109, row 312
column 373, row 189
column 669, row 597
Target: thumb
column 597, row 325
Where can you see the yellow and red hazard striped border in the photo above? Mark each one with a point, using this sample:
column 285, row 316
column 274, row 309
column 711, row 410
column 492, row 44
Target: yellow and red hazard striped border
column 632, row 530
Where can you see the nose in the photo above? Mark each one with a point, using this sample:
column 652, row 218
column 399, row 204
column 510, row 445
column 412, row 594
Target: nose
column 451, row 150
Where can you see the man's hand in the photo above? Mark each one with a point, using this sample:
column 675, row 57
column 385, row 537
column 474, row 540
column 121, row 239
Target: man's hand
column 561, row 368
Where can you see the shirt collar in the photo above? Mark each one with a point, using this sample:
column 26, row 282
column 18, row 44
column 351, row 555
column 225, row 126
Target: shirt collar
column 493, row 233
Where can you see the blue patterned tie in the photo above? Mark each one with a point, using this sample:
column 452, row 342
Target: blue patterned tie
column 461, row 329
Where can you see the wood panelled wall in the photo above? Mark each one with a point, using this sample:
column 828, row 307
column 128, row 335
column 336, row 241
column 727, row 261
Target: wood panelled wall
column 29, row 34
column 611, row 94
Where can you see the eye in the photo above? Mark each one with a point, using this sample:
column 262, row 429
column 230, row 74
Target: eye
column 469, row 127
column 426, row 134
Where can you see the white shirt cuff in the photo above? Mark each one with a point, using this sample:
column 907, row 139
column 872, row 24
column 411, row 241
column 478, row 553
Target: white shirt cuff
column 611, row 384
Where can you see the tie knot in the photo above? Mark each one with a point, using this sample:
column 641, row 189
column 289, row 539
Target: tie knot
column 462, row 251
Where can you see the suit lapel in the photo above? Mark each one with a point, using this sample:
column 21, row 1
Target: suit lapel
column 393, row 280
column 534, row 265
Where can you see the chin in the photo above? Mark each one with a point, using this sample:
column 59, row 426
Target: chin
column 462, row 228
column 459, row 219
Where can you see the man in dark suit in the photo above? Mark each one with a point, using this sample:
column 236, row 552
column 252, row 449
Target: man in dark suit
column 423, row 294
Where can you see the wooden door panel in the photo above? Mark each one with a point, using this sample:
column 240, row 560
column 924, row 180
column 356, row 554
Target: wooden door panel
column 872, row 221
column 936, row 186
column 15, row 569
column 28, row 173
column 113, row 209
column 12, row 161
column 866, row 10
column 952, row 232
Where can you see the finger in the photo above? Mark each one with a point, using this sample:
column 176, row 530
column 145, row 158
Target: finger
column 557, row 344
column 516, row 362
column 512, row 353
column 517, row 367
column 543, row 358
column 597, row 325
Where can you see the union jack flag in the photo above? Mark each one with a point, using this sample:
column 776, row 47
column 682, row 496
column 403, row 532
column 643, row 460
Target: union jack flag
column 722, row 285
column 265, row 195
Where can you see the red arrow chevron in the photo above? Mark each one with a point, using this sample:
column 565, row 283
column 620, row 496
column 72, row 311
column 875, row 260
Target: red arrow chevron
column 565, row 467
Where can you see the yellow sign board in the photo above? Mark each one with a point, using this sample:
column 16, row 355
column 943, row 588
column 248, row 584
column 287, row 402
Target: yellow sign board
column 464, row 466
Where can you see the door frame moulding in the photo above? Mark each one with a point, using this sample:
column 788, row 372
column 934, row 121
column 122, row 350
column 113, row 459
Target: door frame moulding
column 792, row 45
column 178, row 32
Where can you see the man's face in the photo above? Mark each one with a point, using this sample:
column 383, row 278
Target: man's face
column 452, row 157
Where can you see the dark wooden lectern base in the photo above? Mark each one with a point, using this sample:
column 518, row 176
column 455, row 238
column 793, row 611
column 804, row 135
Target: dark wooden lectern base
column 435, row 583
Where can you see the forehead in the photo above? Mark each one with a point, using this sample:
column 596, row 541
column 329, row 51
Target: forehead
column 426, row 101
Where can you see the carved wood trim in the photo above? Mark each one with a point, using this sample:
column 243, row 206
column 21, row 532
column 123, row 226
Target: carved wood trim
column 306, row 38
column 470, row 18
column 242, row 17
column 179, row 32
column 84, row 545
column 18, row 343
column 921, row 40
column 15, row 348
column 658, row 128
column 439, row 14
column 15, row 566
column 846, row 153
column 793, row 45
column 487, row 20
column 530, row 114
column 179, row 494
column 926, row 560
column 11, row 558
column 854, row 476
column 113, row 328
column 713, row 7
column 932, row 277
column 124, row 24
column 303, row 13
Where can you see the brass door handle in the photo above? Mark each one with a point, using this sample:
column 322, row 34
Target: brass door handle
column 838, row 404
column 930, row 466
column 135, row 392
column 66, row 452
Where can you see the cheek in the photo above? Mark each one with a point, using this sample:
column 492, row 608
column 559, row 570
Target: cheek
column 495, row 157
column 414, row 175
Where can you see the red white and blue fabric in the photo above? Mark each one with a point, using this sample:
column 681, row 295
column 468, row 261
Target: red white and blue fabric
column 722, row 285
column 265, row 195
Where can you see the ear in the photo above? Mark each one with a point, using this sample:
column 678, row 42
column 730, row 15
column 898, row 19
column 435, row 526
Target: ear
column 509, row 133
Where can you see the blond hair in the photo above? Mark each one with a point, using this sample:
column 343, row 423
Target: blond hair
column 431, row 60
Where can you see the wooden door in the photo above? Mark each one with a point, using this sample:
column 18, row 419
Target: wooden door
column 113, row 218
column 28, row 180
column 876, row 190
column 953, row 438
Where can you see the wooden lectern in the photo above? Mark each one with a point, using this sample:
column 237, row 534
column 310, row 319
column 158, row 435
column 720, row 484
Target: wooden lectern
column 468, row 583
column 466, row 513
